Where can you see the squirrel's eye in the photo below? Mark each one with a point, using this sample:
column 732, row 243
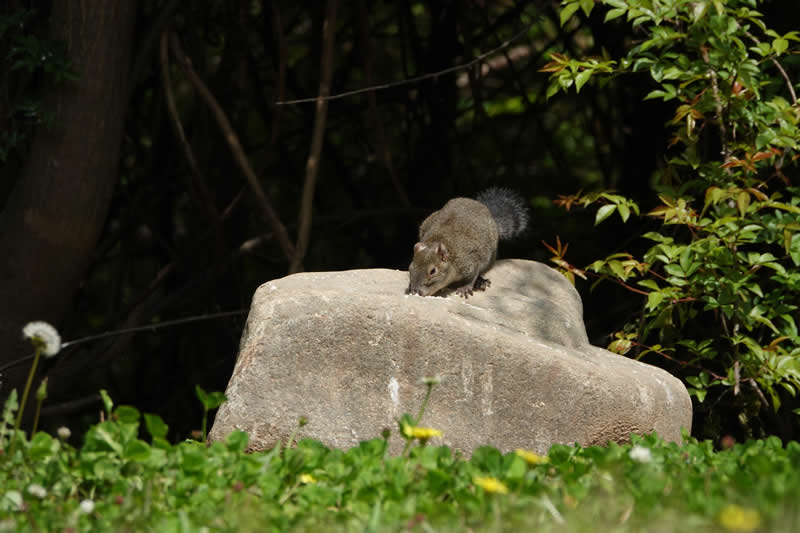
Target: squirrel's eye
column 432, row 271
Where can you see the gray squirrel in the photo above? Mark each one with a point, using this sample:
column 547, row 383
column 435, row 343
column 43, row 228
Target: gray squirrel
column 458, row 242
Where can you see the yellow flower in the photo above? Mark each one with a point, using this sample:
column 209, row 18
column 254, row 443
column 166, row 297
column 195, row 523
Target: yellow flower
column 532, row 458
column 416, row 432
column 490, row 484
column 307, row 479
column 736, row 518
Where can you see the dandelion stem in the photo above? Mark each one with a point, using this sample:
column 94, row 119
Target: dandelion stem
column 203, row 426
column 28, row 386
column 424, row 404
column 36, row 416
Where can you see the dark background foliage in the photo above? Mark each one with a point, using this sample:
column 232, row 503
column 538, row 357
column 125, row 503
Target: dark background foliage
column 182, row 240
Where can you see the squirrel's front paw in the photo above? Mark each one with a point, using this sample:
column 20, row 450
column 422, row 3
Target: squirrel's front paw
column 465, row 291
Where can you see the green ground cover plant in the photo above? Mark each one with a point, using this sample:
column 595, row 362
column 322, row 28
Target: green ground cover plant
column 126, row 476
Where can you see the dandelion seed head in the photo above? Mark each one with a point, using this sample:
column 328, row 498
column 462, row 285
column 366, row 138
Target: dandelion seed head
column 640, row 454
column 87, row 506
column 34, row 489
column 63, row 433
column 44, row 336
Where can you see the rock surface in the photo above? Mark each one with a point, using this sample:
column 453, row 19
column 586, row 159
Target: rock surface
column 347, row 350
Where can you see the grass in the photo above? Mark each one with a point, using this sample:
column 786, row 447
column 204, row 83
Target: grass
column 127, row 477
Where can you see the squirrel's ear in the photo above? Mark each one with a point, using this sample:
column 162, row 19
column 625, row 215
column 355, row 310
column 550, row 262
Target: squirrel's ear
column 419, row 247
column 441, row 250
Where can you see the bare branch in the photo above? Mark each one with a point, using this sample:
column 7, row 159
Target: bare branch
column 718, row 104
column 315, row 152
column 416, row 79
column 283, row 53
column 197, row 181
column 380, row 133
column 236, row 149
column 72, row 406
column 780, row 69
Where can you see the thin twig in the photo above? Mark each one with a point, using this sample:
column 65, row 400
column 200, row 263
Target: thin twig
column 380, row 133
column 197, row 181
column 315, row 152
column 71, row 406
column 678, row 361
column 786, row 79
column 236, row 149
column 283, row 54
column 780, row 69
column 117, row 332
column 718, row 104
column 149, row 42
column 416, row 79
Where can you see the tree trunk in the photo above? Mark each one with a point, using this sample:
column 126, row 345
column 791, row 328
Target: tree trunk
column 53, row 217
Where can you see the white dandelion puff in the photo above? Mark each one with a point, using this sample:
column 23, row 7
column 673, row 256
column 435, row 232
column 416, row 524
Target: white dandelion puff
column 45, row 335
column 34, row 489
column 640, row 454
column 87, row 506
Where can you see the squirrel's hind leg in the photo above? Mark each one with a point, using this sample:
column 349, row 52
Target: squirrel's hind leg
column 478, row 284
column 481, row 284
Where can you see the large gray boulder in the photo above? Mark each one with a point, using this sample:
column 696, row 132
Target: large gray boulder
column 347, row 350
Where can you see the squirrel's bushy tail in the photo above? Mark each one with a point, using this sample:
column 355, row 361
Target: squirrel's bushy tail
column 508, row 210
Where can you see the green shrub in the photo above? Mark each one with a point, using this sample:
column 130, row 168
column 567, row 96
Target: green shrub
column 719, row 281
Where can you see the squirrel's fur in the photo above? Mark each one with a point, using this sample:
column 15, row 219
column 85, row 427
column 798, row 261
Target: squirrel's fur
column 458, row 243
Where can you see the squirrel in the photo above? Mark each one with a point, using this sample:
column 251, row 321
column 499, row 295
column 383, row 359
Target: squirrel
column 458, row 242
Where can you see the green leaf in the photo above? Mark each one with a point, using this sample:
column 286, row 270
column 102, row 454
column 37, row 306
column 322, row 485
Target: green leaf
column 581, row 79
column 780, row 45
column 552, row 89
column 615, row 13
column 686, row 259
column 587, row 6
column 214, row 400
column 767, row 322
column 137, row 450
column 650, row 284
column 127, row 414
column 14, row 499
column 43, row 446
column 106, row 401
column 654, row 299
column 155, row 426
column 624, row 212
column 617, row 268
column 700, row 394
column 655, row 236
column 568, row 11
column 674, row 270
column 202, row 396
column 603, row 213
column 107, row 438
column 237, row 441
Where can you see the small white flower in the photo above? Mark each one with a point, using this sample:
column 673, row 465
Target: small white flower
column 45, row 334
column 63, row 432
column 640, row 454
column 87, row 506
column 34, row 489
